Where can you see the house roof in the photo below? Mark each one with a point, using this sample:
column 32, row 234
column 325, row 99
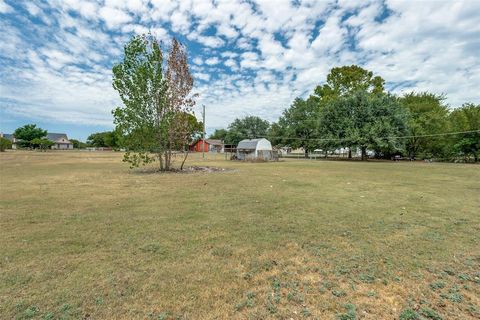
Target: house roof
column 214, row 142
column 57, row 136
column 249, row 144
column 7, row 136
column 50, row 136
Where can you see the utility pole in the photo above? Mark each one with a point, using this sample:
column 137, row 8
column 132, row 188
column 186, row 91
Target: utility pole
column 203, row 138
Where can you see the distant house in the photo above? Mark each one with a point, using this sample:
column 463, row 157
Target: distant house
column 255, row 149
column 60, row 140
column 209, row 145
column 11, row 138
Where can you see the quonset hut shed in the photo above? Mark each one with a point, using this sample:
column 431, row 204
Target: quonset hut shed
column 255, row 149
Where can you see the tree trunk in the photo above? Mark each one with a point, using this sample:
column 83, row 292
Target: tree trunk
column 167, row 161
column 306, row 154
column 349, row 153
column 160, row 159
column 326, row 154
column 184, row 159
column 364, row 153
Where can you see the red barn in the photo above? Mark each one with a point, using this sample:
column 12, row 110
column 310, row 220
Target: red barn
column 209, row 145
column 198, row 145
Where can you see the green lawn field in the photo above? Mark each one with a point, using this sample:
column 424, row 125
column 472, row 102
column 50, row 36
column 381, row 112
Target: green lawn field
column 83, row 237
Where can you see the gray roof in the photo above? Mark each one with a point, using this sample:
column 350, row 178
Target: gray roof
column 8, row 136
column 56, row 136
column 214, row 142
column 249, row 144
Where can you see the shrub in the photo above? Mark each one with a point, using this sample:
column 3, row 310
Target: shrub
column 5, row 144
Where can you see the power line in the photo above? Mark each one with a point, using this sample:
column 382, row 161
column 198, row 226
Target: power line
column 387, row 137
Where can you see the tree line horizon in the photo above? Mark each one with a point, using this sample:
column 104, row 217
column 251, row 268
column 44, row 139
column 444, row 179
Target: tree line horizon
column 352, row 109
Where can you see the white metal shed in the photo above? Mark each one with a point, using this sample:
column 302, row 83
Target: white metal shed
column 255, row 149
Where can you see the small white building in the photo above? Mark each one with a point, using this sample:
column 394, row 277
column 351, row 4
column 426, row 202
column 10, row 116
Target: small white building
column 255, row 149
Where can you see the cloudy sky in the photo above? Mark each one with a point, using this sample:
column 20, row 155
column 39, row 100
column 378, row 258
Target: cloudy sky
column 248, row 57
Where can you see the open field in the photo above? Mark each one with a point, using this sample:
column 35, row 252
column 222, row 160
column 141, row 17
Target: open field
column 83, row 237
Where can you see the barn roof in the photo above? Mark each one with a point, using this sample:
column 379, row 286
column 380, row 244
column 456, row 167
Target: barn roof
column 249, row 144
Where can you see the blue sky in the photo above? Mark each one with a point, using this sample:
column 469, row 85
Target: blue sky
column 247, row 57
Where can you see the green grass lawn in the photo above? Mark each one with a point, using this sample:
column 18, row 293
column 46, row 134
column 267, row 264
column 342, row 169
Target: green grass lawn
column 81, row 236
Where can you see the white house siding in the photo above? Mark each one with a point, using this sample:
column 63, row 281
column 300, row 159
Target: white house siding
column 62, row 146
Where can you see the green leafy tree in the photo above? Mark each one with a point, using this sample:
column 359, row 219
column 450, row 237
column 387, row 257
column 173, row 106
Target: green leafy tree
column 193, row 126
column 41, row 143
column 347, row 80
column 250, row 127
column 298, row 124
column 344, row 81
column 5, row 144
column 276, row 134
column 106, row 139
column 466, row 118
column 27, row 133
column 428, row 115
column 77, row 144
column 154, row 99
column 219, row 134
column 364, row 120
column 192, row 130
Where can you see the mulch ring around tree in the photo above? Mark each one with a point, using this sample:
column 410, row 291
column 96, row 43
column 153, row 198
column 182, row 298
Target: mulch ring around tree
column 191, row 169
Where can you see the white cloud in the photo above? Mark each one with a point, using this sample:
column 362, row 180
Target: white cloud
column 227, row 31
column 33, row 9
column 331, row 37
column 232, row 63
column 114, row 17
column 5, row 8
column 202, row 76
column 249, row 57
column 249, row 60
column 180, row 22
column 208, row 41
column 212, row 61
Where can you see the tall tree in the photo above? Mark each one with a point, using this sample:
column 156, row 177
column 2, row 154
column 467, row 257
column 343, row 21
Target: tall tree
column 365, row 121
column 180, row 100
column 219, row 134
column 428, row 115
column 344, row 81
column 106, row 139
column 250, row 127
column 276, row 134
column 347, row 80
column 27, row 133
column 143, row 118
column 154, row 100
column 466, row 118
column 298, row 125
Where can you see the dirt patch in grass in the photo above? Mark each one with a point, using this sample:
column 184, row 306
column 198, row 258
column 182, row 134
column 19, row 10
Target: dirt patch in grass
column 186, row 170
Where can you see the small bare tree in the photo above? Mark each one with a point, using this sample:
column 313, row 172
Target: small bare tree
column 179, row 96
